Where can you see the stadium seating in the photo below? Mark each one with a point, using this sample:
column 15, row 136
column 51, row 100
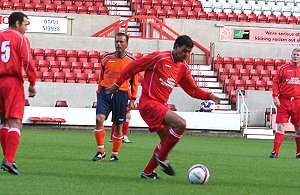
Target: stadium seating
column 61, row 103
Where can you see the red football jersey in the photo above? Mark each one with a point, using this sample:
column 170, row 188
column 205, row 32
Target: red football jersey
column 287, row 81
column 15, row 53
column 162, row 74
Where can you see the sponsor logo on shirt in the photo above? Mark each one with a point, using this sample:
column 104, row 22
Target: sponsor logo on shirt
column 111, row 61
column 289, row 70
column 169, row 82
column 293, row 81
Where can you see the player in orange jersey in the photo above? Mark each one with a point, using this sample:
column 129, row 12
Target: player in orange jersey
column 15, row 56
column 112, row 66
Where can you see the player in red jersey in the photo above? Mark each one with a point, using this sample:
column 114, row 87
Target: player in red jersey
column 15, row 56
column 112, row 65
column 163, row 71
column 286, row 97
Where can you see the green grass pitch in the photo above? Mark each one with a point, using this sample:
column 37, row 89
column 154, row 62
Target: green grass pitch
column 59, row 162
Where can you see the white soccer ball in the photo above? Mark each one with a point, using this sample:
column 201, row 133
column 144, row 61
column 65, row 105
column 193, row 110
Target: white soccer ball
column 198, row 174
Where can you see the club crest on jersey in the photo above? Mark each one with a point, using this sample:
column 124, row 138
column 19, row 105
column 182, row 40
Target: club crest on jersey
column 168, row 82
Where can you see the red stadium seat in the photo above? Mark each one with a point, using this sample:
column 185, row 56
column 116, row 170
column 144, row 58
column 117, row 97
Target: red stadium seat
column 161, row 13
column 212, row 16
column 61, row 8
column 239, row 84
column 248, row 61
column 38, row 52
column 265, row 75
column 103, row 10
column 102, row 54
column 202, row 15
column 19, row 6
column 93, row 78
column 171, row 13
column 54, row 66
column 255, row 74
column 238, row 60
column 252, row 18
column 7, row 5
column 65, row 66
column 262, row 18
column 242, row 17
column 140, row 11
column 259, row 61
column 272, row 19
column 72, row 55
column 43, row 65
column 187, row 5
column 49, row 54
column 70, row 77
column 291, row 20
column 232, row 16
column 29, row 6
column 47, row 76
column 50, row 7
column 61, row 103
column 182, row 14
column 281, row 20
column 269, row 62
column 82, row 9
column 234, row 73
column 273, row 73
column 72, row 9
column 269, row 85
column 193, row 14
column 82, row 55
column 218, row 60
column 227, row 60
column 92, row 10
column 81, row 77
column 156, row 4
column 278, row 62
column 87, row 67
column 166, row 4
column 196, row 4
column 151, row 12
column 222, row 16
column 261, row 85
column 40, row 7
column 244, row 74
column 61, row 54
column 250, row 84
column 76, row 67
column 59, row 77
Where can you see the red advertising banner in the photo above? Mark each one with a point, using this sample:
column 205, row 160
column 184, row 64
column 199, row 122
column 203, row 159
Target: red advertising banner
column 259, row 35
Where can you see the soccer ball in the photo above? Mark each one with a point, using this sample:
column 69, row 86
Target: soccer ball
column 198, row 174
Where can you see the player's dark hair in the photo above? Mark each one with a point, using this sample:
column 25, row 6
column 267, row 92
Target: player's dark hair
column 14, row 17
column 184, row 40
column 121, row 34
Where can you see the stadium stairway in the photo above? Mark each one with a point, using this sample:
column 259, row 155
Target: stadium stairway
column 206, row 78
column 122, row 8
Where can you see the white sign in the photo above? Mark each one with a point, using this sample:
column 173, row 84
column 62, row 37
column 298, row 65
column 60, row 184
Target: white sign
column 41, row 24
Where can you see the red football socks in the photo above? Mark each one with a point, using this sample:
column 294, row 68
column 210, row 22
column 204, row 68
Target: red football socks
column 3, row 134
column 167, row 145
column 12, row 143
column 279, row 137
column 152, row 164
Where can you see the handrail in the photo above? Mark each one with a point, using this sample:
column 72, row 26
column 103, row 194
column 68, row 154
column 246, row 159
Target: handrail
column 151, row 23
column 241, row 110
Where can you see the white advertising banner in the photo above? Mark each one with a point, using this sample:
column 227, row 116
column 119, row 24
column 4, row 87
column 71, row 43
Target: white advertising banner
column 41, row 24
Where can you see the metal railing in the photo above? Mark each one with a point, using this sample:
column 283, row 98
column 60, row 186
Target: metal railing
column 242, row 108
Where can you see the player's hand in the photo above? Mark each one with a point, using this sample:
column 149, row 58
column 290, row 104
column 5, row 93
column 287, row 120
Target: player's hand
column 31, row 91
column 215, row 99
column 276, row 101
column 131, row 105
column 112, row 89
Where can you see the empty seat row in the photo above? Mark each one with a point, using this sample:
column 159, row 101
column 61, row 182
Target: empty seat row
column 67, row 66
column 59, row 8
column 69, row 77
column 245, row 74
column 167, row 4
column 247, row 60
column 231, row 85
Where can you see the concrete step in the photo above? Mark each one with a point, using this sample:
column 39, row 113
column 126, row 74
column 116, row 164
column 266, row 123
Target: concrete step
column 221, row 95
column 130, row 29
column 118, row 8
column 208, row 84
column 221, row 107
column 120, row 13
column 260, row 136
column 199, row 67
column 258, row 131
column 116, row 2
column 135, row 34
column 205, row 72
column 216, row 90
column 206, row 79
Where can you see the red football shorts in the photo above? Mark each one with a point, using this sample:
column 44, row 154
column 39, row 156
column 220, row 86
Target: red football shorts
column 12, row 97
column 153, row 113
column 288, row 108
